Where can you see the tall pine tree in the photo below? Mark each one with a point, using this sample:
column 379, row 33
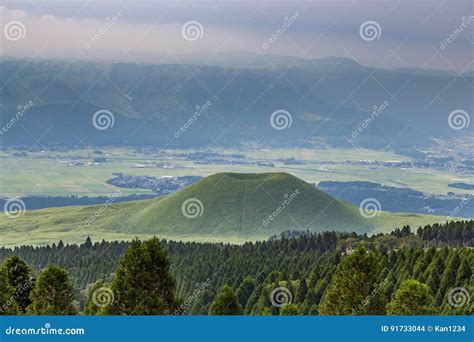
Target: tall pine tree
column 354, row 288
column 225, row 303
column 143, row 284
column 19, row 276
column 53, row 293
column 412, row 298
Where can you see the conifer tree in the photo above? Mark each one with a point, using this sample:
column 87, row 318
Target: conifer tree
column 354, row 288
column 464, row 272
column 245, row 291
column 53, row 293
column 253, row 299
column 321, row 286
column 309, row 302
column 99, row 297
column 450, row 272
column 264, row 303
column 225, row 303
column 412, row 298
column 19, row 276
column 202, row 303
column 302, row 291
column 8, row 305
column 143, row 284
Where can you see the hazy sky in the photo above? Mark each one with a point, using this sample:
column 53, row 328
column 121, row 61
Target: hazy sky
column 408, row 33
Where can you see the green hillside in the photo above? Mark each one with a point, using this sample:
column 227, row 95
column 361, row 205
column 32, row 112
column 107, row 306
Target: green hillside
column 237, row 204
column 223, row 207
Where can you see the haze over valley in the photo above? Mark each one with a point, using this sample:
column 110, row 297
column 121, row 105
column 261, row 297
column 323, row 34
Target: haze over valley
column 236, row 158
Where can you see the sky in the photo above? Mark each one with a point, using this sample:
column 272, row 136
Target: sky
column 426, row 34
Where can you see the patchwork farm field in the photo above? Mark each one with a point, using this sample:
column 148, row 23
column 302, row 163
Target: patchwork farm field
column 51, row 173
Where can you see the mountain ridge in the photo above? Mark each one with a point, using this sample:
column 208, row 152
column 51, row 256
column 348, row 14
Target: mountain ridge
column 144, row 98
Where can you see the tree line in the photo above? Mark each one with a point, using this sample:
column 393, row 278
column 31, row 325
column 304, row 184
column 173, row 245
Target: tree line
column 308, row 274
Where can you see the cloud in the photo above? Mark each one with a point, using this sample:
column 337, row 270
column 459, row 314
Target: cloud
column 51, row 36
column 152, row 32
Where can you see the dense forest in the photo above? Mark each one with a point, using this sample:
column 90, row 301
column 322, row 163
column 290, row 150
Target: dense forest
column 427, row 271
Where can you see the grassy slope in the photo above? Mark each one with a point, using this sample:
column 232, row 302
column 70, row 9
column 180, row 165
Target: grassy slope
column 235, row 206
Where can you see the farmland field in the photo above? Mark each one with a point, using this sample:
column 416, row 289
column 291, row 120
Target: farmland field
column 48, row 173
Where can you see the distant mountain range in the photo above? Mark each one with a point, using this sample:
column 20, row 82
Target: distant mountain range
column 328, row 99
column 221, row 207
